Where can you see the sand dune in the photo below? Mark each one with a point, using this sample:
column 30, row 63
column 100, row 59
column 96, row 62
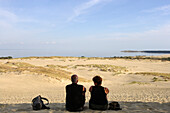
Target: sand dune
column 128, row 85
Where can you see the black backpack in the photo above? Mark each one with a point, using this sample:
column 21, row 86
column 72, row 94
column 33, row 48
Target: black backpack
column 38, row 104
column 114, row 106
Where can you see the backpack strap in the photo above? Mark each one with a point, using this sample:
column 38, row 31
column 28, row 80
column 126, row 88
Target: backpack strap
column 36, row 98
column 46, row 100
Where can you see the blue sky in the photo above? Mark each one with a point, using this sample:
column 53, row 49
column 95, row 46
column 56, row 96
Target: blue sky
column 85, row 26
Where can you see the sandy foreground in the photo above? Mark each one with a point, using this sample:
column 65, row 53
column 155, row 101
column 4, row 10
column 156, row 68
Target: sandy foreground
column 134, row 92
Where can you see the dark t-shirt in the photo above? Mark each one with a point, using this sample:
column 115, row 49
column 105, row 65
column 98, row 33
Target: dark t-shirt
column 75, row 97
column 98, row 96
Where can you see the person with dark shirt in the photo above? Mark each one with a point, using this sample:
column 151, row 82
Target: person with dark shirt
column 75, row 95
column 98, row 100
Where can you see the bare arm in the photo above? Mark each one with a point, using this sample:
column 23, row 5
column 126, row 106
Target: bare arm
column 84, row 89
column 106, row 90
column 90, row 89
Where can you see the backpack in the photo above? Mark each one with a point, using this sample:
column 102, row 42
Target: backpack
column 114, row 106
column 38, row 104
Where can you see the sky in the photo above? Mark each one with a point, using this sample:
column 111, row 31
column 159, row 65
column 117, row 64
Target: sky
column 89, row 27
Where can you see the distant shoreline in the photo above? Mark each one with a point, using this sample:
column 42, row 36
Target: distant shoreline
column 155, row 51
column 48, row 53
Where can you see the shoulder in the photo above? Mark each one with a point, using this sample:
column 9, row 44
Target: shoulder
column 84, row 89
column 90, row 89
column 68, row 86
column 106, row 90
column 81, row 86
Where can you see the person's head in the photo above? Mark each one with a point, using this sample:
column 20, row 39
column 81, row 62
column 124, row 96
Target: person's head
column 97, row 80
column 74, row 78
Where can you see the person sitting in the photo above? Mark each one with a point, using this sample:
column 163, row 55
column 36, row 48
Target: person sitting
column 98, row 100
column 75, row 95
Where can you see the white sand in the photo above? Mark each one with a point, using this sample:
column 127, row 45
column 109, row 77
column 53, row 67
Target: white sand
column 18, row 89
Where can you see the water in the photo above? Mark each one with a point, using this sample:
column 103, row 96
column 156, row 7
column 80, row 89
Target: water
column 17, row 53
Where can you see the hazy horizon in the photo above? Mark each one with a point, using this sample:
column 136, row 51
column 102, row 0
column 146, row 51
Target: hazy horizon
column 85, row 27
column 17, row 53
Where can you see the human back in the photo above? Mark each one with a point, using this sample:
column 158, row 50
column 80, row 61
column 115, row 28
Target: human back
column 75, row 95
column 98, row 100
column 98, row 95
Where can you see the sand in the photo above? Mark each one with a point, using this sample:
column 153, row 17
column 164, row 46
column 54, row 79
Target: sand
column 134, row 92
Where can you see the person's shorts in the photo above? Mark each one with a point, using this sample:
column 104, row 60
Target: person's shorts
column 74, row 110
column 98, row 107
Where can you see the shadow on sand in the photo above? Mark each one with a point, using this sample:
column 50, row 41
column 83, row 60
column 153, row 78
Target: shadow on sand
column 127, row 107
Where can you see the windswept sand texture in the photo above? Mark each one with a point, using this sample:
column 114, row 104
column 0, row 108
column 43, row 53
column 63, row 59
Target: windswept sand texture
column 131, row 82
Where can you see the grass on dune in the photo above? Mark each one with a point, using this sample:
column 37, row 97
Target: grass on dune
column 46, row 57
column 56, row 66
column 98, row 58
column 105, row 67
column 139, row 83
column 5, row 68
column 164, row 75
column 51, row 72
column 139, row 58
column 155, row 79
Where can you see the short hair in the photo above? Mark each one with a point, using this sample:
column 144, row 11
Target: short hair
column 74, row 78
column 97, row 79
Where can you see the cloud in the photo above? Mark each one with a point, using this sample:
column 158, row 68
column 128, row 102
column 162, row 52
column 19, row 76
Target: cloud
column 157, row 38
column 6, row 15
column 165, row 10
column 11, row 29
column 160, row 33
column 7, row 19
column 83, row 8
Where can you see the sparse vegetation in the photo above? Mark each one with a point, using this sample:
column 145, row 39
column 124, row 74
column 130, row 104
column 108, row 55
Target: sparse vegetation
column 137, row 82
column 163, row 75
column 139, row 58
column 21, row 67
column 45, row 57
column 105, row 68
column 103, row 58
column 71, row 60
column 8, row 57
column 56, row 66
column 155, row 79
column 63, row 60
